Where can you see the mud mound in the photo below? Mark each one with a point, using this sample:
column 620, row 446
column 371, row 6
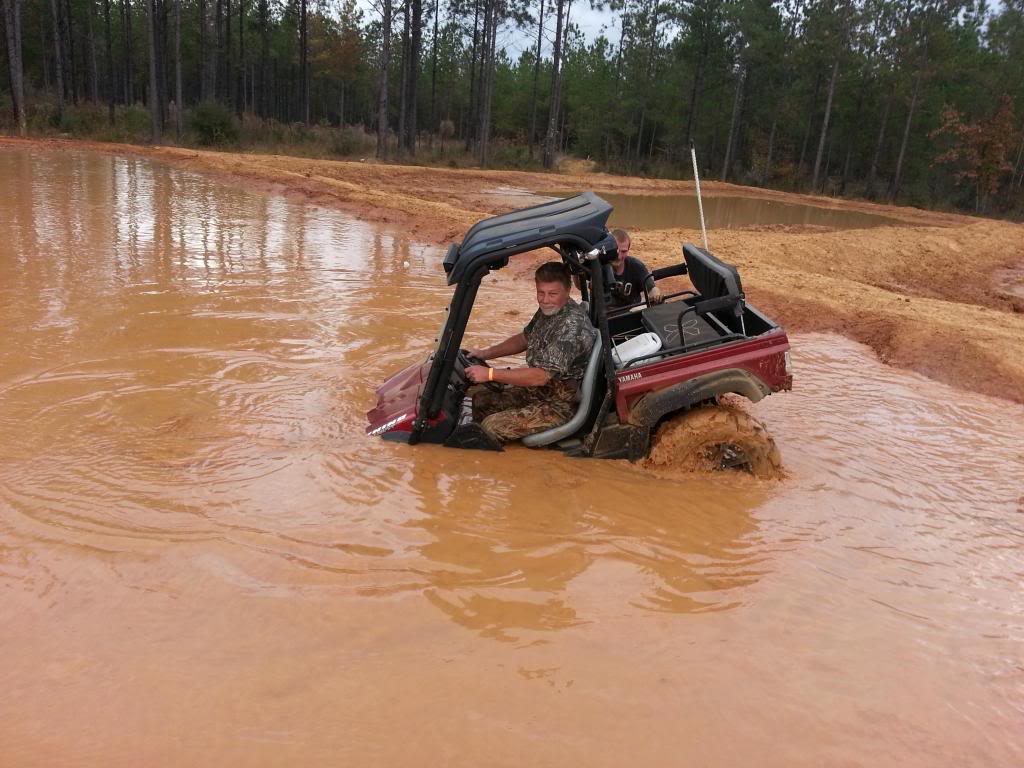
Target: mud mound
column 713, row 438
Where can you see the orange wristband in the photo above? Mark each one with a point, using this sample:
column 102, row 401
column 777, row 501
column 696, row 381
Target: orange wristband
column 490, row 374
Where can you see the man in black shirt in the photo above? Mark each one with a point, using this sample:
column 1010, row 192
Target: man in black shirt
column 632, row 275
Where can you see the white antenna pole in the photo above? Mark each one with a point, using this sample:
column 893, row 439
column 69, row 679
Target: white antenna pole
column 700, row 205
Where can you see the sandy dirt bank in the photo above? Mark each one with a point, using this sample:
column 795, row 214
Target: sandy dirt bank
column 927, row 295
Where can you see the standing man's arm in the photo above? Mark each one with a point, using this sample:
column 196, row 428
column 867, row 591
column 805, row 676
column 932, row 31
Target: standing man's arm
column 653, row 291
column 648, row 283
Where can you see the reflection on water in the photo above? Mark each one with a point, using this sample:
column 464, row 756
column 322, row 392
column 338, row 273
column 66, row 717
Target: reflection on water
column 727, row 212
column 502, row 557
column 196, row 537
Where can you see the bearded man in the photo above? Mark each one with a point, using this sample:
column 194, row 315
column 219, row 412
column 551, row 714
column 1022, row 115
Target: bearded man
column 557, row 341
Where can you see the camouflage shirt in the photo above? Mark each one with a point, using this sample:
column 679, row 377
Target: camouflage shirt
column 561, row 343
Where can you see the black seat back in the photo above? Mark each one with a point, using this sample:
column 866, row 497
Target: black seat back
column 714, row 279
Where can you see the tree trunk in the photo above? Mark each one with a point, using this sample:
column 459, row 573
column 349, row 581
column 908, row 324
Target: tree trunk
column 433, row 79
column 264, row 106
column 698, row 84
column 274, row 98
column 151, row 29
column 846, row 169
column 869, row 188
column 304, row 42
column 12, row 27
column 639, row 137
column 110, row 63
column 737, row 100
column 154, row 105
column 824, row 126
column 179, row 104
column 649, row 72
column 897, row 178
column 71, row 79
column 472, row 74
column 228, row 88
column 201, row 69
column 771, row 146
column 551, row 142
column 160, row 32
column 403, row 86
column 129, row 75
column 810, row 123
column 1017, row 168
column 45, row 58
column 94, row 76
column 58, row 63
column 616, row 94
column 416, row 43
column 217, row 57
column 215, row 51
column 487, row 79
column 240, row 104
column 382, row 97
column 483, row 127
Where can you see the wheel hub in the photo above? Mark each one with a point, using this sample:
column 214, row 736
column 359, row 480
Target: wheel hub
column 722, row 456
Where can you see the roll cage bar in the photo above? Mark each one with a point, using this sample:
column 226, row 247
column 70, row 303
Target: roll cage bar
column 575, row 228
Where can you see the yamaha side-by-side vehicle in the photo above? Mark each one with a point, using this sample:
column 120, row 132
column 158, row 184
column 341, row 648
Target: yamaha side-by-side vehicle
column 654, row 368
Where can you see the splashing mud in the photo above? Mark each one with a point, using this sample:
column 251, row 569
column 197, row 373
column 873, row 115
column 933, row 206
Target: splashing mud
column 204, row 561
column 715, row 438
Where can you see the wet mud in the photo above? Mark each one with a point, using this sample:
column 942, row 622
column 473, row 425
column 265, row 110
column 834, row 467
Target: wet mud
column 204, row 561
column 713, row 439
column 1010, row 283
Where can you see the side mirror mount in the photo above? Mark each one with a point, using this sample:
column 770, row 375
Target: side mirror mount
column 606, row 250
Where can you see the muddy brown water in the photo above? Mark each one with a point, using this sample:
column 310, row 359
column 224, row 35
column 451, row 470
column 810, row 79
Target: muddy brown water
column 728, row 212
column 203, row 561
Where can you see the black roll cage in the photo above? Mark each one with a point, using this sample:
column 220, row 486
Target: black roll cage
column 581, row 256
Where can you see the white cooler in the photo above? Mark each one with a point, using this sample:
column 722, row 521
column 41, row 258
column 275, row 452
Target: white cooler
column 639, row 346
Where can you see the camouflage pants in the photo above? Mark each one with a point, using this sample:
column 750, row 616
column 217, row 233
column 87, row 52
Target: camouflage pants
column 516, row 412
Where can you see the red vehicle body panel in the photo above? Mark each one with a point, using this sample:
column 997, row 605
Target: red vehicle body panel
column 763, row 356
column 397, row 401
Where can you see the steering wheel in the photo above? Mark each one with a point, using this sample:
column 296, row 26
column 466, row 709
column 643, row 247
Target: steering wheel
column 466, row 360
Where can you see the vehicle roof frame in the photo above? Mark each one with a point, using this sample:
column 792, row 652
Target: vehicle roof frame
column 578, row 222
column 461, row 307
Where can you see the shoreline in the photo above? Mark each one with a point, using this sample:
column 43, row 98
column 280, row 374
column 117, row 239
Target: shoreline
column 923, row 294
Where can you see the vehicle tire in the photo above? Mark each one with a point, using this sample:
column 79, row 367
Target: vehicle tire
column 713, row 438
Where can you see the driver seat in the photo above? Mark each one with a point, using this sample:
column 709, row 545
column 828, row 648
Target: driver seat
column 586, row 398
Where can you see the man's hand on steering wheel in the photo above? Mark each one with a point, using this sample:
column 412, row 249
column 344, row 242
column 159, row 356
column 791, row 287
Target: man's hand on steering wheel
column 480, row 374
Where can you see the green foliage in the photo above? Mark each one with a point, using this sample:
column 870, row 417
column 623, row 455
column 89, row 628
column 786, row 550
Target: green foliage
column 213, row 124
column 351, row 141
column 505, row 154
column 631, row 101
